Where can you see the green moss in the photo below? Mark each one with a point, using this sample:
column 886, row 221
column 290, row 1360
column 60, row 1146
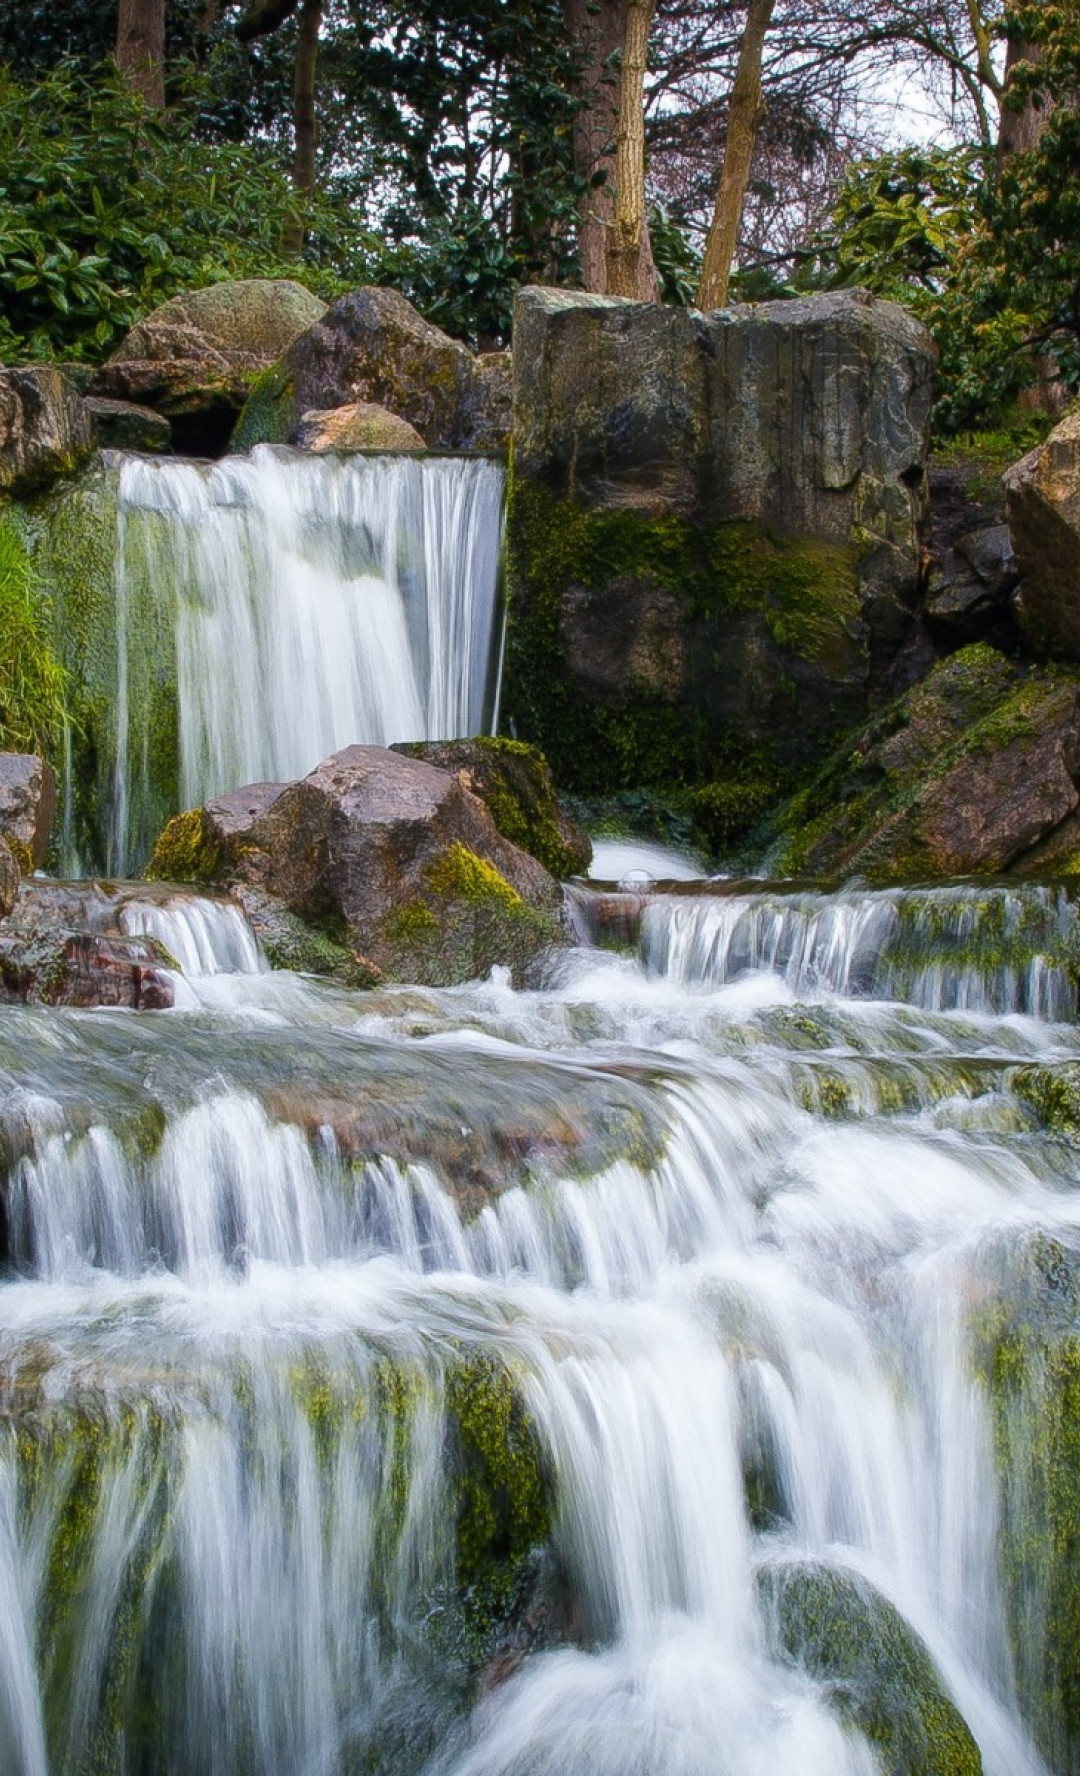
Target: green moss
column 1053, row 1093
column 518, row 793
column 1028, row 1354
column 411, row 923
column 459, row 874
column 35, row 690
column 186, row 851
column 881, row 1678
column 504, row 1506
column 734, row 589
column 727, row 811
column 269, row 413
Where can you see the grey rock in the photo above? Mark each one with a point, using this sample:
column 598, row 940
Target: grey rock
column 768, row 465
column 27, row 806
column 1043, row 493
column 124, row 425
column 45, row 429
column 61, row 945
column 9, row 878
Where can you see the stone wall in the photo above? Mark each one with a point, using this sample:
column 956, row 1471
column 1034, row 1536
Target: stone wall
column 713, row 529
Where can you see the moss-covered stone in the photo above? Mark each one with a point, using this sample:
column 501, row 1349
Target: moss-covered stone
column 188, row 849
column 837, row 1628
column 270, row 413
column 1053, row 1093
column 1028, row 1355
column 644, row 648
column 514, row 782
column 964, row 774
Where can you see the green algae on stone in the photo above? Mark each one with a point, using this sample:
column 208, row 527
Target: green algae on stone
column 1053, row 1093
column 881, row 1679
column 269, row 413
column 186, row 850
column 1027, row 1351
column 641, row 645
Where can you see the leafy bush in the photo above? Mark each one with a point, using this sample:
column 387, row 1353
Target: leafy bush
column 108, row 208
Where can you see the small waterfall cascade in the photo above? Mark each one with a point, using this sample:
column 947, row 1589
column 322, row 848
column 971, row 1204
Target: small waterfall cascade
column 272, row 608
column 992, row 949
column 646, row 1374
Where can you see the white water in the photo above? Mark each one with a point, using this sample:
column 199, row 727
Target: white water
column 341, row 1181
column 317, row 602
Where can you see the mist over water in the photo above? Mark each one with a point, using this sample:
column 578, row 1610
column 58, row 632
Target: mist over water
column 261, row 1247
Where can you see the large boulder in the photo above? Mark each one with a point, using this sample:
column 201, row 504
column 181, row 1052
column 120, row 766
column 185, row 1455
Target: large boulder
column 394, row 855
column 27, row 806
column 969, row 773
column 360, row 426
column 124, row 425
column 45, row 429
column 1043, row 492
column 373, row 347
column 714, row 549
column 513, row 781
column 194, row 358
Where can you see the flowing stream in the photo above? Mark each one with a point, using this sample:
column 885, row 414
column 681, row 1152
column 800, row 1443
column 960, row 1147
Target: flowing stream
column 281, row 605
column 463, row 1383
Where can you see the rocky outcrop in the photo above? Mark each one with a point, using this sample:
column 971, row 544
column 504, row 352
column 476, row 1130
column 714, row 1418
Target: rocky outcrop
column 27, row 806
column 45, row 430
column 1043, row 491
column 393, row 857
column 124, row 425
column 972, row 772
column 61, row 945
column 973, row 576
column 194, row 359
column 713, row 528
column 372, row 347
column 513, row 781
column 360, row 426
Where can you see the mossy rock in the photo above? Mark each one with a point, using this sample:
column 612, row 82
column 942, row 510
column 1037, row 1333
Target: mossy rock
column 465, row 920
column 963, row 775
column 836, row 1627
column 1053, row 1094
column 513, row 780
column 646, row 648
column 270, row 414
column 1027, row 1349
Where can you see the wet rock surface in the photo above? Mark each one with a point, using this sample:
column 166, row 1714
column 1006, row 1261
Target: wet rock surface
column 713, row 528
column 1043, row 491
column 45, row 429
column 27, row 806
column 513, row 781
column 125, row 425
column 61, row 945
column 397, row 859
column 964, row 774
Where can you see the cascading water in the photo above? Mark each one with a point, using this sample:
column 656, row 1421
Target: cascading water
column 601, row 1380
column 306, row 603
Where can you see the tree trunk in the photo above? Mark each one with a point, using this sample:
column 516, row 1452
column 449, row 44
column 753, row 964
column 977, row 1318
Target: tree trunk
column 140, row 47
column 596, row 28
column 630, row 268
column 738, row 153
column 304, row 131
column 1021, row 129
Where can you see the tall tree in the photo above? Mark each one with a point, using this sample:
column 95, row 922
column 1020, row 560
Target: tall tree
column 738, row 153
column 630, row 268
column 261, row 18
column 140, row 47
column 596, row 30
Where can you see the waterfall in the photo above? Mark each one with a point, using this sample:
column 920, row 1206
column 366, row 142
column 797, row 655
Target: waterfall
column 280, row 606
column 479, row 1382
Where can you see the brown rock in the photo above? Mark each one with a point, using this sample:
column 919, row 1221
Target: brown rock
column 27, row 806
column 360, row 426
column 9, row 878
column 513, row 781
column 45, row 429
column 395, row 855
column 60, row 946
column 1043, row 492
column 124, row 425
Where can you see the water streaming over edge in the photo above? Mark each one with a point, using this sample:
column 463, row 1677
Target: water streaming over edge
column 317, row 601
column 260, row 1245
